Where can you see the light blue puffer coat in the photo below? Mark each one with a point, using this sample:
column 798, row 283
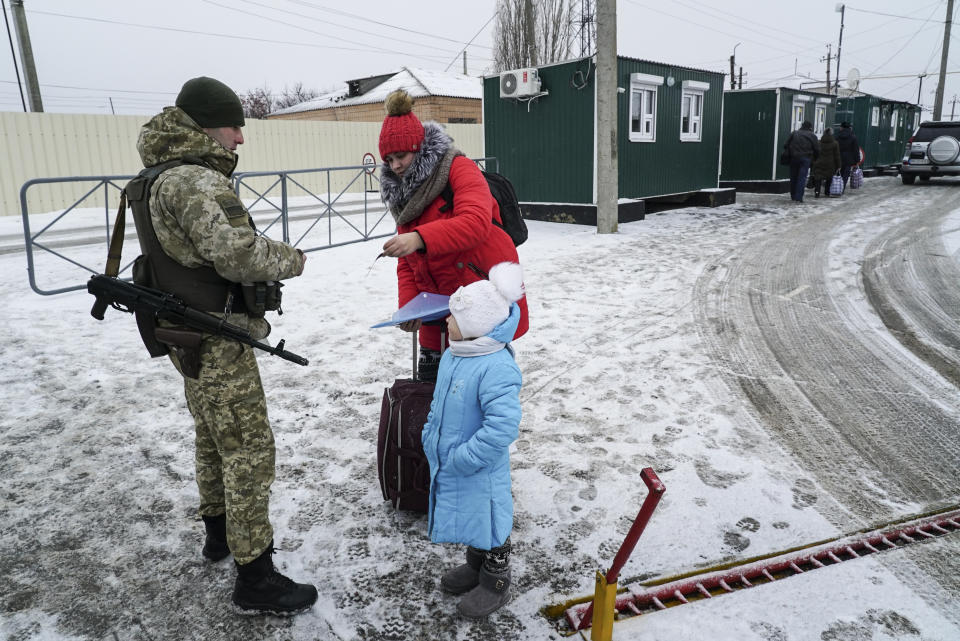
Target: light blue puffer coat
column 474, row 417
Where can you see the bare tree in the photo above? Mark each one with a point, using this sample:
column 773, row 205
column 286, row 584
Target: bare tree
column 293, row 96
column 256, row 102
column 532, row 32
column 555, row 30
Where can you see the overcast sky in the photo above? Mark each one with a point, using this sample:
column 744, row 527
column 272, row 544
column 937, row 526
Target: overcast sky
column 139, row 52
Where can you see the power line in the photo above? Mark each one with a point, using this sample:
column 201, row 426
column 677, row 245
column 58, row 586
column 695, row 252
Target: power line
column 302, row 28
column 319, row 7
column 210, row 34
column 471, row 40
column 43, row 84
column 891, row 15
column 712, row 14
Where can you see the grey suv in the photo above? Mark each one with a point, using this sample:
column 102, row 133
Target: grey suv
column 933, row 150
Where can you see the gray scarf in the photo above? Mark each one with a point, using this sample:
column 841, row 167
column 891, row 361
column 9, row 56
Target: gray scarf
column 424, row 180
column 427, row 192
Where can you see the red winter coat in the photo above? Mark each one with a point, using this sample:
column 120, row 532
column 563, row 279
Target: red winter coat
column 453, row 239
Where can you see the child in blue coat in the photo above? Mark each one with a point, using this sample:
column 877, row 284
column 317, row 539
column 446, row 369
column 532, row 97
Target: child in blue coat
column 474, row 417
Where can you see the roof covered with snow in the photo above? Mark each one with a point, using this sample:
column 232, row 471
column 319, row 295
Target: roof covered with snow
column 419, row 83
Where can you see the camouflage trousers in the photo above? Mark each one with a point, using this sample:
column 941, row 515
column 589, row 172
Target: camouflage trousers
column 235, row 451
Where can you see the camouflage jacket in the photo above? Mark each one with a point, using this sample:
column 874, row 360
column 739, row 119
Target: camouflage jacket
column 196, row 215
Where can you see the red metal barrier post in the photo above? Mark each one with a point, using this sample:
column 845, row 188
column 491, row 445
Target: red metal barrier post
column 605, row 594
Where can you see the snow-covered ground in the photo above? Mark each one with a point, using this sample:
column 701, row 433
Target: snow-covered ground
column 99, row 537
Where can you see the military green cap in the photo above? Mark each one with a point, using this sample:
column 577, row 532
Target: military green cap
column 210, row 103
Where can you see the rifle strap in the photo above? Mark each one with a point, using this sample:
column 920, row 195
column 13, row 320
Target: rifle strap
column 116, row 239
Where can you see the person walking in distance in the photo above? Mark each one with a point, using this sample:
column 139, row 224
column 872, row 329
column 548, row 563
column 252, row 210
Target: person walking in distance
column 474, row 417
column 827, row 165
column 204, row 245
column 849, row 151
column 804, row 148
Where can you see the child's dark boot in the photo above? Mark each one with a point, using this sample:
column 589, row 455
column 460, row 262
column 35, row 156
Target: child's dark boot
column 492, row 593
column 464, row 578
column 493, row 588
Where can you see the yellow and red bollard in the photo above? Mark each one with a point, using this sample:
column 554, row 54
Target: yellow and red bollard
column 600, row 614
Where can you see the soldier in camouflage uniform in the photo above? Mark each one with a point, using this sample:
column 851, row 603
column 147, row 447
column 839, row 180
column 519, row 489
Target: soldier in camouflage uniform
column 201, row 224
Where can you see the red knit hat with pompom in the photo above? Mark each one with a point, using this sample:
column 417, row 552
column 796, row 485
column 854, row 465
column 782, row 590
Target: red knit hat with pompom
column 402, row 130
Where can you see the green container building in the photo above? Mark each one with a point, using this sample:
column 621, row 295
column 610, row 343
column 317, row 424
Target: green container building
column 756, row 125
column 882, row 126
column 543, row 136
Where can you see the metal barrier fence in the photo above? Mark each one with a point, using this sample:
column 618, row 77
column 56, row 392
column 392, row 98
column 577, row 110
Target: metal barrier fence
column 341, row 204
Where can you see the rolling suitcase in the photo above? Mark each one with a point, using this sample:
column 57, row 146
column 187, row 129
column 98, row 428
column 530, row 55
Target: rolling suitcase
column 401, row 464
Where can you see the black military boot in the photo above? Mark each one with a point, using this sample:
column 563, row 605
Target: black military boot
column 260, row 589
column 215, row 545
column 464, row 578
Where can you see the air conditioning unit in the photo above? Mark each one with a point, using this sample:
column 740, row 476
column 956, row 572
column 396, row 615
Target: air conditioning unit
column 519, row 83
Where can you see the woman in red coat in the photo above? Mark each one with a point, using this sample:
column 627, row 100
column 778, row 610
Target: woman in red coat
column 436, row 244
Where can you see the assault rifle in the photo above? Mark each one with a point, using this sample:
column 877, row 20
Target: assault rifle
column 130, row 297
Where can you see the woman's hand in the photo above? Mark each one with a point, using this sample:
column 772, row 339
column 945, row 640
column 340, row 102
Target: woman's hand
column 403, row 244
column 410, row 325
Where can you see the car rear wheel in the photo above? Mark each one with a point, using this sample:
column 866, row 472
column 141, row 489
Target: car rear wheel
column 943, row 150
column 908, row 179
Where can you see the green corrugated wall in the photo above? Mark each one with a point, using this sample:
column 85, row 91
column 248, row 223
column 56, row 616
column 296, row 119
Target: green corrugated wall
column 548, row 152
column 878, row 149
column 755, row 131
column 749, row 123
column 669, row 165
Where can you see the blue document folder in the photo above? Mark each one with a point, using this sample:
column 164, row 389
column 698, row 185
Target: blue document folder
column 426, row 307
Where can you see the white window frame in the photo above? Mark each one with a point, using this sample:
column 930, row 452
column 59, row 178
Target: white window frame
column 875, row 117
column 798, row 115
column 644, row 86
column 693, row 96
column 916, row 120
column 894, row 122
column 820, row 119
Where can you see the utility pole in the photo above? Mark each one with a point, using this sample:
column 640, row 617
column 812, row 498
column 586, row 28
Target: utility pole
column 920, row 90
column 740, row 84
column 733, row 59
column 842, row 8
column 26, row 55
column 465, row 62
column 953, row 106
column 111, row 106
column 16, row 67
column 828, row 67
column 607, row 98
column 938, row 101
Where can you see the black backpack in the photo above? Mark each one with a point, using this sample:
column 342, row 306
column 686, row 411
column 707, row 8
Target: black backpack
column 502, row 190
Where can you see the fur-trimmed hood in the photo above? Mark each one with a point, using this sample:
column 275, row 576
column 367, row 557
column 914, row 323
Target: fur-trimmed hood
column 396, row 191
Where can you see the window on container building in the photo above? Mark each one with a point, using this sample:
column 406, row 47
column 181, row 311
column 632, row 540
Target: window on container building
column 643, row 113
column 643, row 107
column 691, row 110
column 894, row 121
column 875, row 117
column 797, row 116
column 820, row 119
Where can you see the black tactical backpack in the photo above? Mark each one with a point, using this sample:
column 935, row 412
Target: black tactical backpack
column 502, row 190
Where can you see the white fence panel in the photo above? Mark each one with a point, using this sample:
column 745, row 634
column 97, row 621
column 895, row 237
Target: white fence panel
column 42, row 145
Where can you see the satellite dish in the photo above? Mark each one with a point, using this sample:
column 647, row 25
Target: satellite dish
column 853, row 78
